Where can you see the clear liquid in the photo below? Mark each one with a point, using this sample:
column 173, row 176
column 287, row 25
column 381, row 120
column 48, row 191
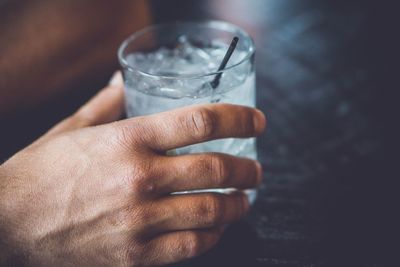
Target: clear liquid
column 145, row 96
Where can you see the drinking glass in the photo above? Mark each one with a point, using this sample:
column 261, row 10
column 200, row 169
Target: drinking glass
column 173, row 65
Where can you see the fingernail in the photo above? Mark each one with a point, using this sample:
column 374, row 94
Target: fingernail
column 259, row 121
column 259, row 172
column 116, row 79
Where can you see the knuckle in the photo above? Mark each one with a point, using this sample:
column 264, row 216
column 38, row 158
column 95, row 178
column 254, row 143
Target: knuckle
column 245, row 124
column 192, row 246
column 214, row 167
column 124, row 136
column 219, row 170
column 131, row 255
column 212, row 212
column 143, row 186
column 201, row 122
column 250, row 126
column 140, row 218
column 127, row 136
column 139, row 179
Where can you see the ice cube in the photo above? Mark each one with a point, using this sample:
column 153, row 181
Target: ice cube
column 171, row 93
column 182, row 39
column 187, row 59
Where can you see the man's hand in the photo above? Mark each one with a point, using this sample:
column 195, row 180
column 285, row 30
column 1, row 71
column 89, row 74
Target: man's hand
column 93, row 192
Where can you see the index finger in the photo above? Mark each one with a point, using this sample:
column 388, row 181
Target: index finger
column 199, row 123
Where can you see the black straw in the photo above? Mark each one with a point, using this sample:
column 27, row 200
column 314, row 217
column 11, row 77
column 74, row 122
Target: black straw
column 227, row 56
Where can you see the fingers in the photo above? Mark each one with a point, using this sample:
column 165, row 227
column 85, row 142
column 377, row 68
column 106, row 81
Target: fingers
column 195, row 124
column 106, row 106
column 177, row 246
column 208, row 170
column 198, row 211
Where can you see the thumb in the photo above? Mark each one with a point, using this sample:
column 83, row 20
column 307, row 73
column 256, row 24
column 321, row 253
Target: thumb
column 106, row 106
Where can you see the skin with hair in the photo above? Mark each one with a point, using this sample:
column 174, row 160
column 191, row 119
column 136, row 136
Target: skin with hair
column 97, row 192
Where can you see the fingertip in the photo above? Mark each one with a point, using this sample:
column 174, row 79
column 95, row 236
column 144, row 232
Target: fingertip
column 259, row 121
column 259, row 172
column 114, row 90
column 244, row 204
column 116, row 79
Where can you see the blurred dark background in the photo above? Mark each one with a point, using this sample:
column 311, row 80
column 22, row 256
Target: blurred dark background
column 325, row 79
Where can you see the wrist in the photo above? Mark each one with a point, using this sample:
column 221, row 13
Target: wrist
column 9, row 254
column 5, row 253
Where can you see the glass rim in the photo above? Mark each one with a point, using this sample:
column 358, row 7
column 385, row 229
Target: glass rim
column 216, row 24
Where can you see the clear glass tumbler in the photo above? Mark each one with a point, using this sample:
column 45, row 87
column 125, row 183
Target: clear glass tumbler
column 174, row 65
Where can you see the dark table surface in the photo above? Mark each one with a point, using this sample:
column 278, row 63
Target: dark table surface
column 327, row 153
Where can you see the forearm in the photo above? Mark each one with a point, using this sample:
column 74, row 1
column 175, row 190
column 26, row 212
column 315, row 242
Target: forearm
column 15, row 248
column 6, row 248
column 52, row 43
